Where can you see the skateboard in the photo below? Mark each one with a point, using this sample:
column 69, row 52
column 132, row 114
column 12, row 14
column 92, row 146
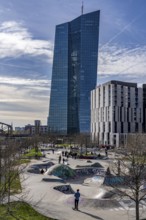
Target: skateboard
column 75, row 209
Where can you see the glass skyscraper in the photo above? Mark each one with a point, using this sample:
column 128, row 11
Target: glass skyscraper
column 74, row 74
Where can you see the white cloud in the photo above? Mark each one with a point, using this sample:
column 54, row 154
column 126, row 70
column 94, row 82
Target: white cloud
column 21, row 81
column 114, row 59
column 23, row 100
column 23, row 90
column 23, row 118
column 15, row 41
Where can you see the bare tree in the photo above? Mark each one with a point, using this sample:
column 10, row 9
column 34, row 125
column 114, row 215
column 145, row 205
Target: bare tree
column 131, row 170
column 10, row 170
column 83, row 140
column 34, row 143
column 1, row 172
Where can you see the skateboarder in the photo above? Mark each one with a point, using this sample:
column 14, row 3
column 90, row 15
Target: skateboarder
column 77, row 196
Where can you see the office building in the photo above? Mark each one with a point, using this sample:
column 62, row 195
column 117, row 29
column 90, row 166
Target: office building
column 144, row 107
column 74, row 74
column 36, row 129
column 116, row 110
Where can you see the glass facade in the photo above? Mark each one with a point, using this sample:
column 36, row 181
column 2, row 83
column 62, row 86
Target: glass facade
column 74, row 74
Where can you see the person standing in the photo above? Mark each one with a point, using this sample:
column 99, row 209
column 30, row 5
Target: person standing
column 106, row 152
column 59, row 159
column 77, row 196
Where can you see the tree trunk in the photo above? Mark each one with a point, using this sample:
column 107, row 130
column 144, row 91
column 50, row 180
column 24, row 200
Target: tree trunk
column 81, row 150
column 137, row 209
column 0, row 165
column 9, row 189
column 86, row 145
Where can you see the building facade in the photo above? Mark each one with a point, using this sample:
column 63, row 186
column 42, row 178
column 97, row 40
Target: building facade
column 116, row 110
column 36, row 129
column 144, row 107
column 74, row 74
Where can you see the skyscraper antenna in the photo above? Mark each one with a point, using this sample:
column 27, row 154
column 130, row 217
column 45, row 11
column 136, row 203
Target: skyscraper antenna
column 82, row 8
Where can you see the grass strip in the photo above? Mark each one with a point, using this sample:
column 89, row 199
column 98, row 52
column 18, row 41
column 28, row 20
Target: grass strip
column 33, row 153
column 20, row 211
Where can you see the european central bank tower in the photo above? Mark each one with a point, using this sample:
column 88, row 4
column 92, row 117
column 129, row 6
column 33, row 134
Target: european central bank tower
column 74, row 74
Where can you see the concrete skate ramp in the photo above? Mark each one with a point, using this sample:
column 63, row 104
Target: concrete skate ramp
column 110, row 194
column 111, row 180
column 66, row 189
column 61, row 171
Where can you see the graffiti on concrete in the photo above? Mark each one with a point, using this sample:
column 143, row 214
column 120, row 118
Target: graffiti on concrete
column 65, row 172
column 62, row 171
column 90, row 171
column 92, row 165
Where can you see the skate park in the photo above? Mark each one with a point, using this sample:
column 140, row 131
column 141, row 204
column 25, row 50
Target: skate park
column 51, row 192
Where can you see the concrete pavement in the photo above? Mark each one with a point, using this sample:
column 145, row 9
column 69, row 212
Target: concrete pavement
column 55, row 204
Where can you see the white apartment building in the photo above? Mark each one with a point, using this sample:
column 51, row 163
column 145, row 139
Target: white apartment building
column 116, row 110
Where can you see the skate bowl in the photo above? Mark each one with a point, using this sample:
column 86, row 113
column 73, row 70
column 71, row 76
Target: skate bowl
column 66, row 189
column 36, row 168
column 53, row 180
column 98, row 179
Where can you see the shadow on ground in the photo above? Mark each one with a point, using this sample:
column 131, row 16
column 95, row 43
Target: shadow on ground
column 93, row 216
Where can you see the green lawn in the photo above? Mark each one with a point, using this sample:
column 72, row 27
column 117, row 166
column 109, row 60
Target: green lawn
column 33, row 153
column 15, row 185
column 20, row 211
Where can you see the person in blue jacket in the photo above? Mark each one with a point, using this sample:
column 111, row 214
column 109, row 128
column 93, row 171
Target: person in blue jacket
column 77, row 196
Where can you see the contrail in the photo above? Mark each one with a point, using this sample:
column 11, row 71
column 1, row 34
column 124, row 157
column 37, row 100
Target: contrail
column 119, row 33
column 12, row 65
column 17, row 66
column 130, row 67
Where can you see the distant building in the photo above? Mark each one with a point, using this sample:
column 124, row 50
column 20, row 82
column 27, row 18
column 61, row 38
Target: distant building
column 116, row 110
column 74, row 74
column 36, row 129
column 19, row 129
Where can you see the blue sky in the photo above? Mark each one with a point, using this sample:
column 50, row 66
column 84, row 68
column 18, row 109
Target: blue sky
column 27, row 30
